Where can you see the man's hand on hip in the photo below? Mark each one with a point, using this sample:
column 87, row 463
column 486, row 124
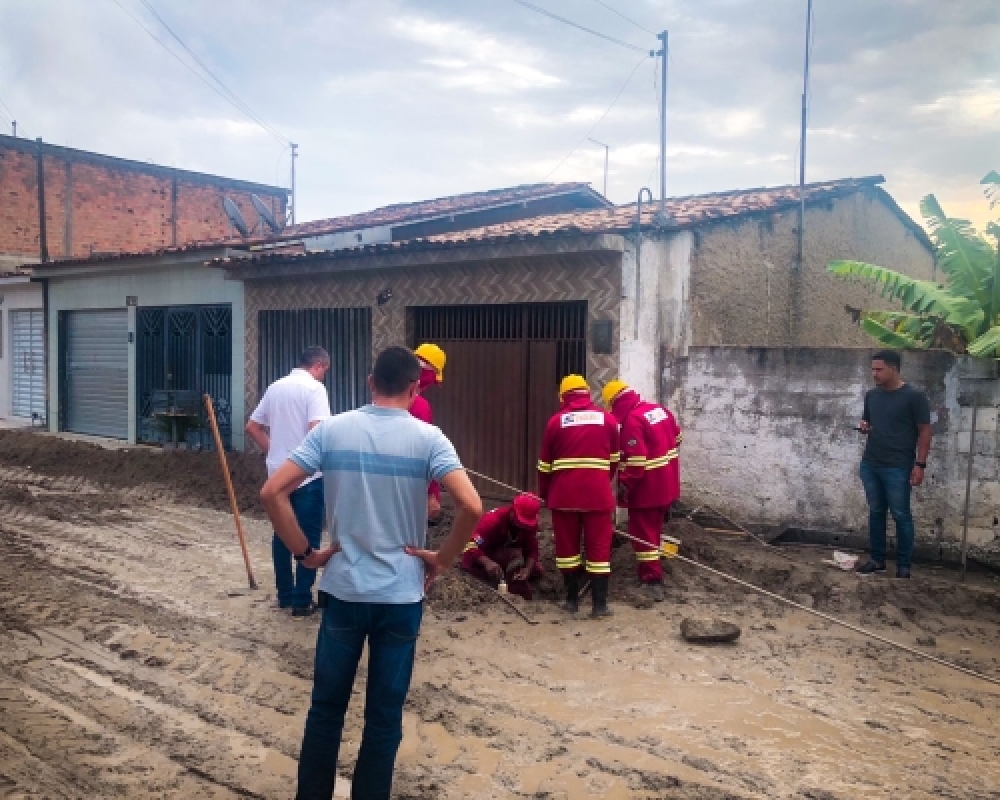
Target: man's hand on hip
column 433, row 567
column 319, row 558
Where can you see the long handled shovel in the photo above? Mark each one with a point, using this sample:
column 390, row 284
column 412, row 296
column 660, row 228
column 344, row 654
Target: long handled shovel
column 210, row 410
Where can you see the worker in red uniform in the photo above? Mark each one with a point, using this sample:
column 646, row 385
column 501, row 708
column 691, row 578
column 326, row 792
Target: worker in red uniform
column 432, row 360
column 575, row 469
column 505, row 546
column 649, row 480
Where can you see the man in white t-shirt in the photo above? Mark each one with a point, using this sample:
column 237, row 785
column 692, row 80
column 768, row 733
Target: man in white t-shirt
column 290, row 408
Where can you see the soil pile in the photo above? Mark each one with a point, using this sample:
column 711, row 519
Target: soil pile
column 184, row 476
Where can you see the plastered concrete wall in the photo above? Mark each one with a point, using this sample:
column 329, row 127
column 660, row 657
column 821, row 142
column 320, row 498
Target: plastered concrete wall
column 744, row 287
column 595, row 278
column 13, row 297
column 179, row 286
column 769, row 439
column 664, row 328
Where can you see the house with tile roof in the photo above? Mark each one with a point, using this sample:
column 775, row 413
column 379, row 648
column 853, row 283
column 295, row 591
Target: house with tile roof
column 132, row 334
column 608, row 291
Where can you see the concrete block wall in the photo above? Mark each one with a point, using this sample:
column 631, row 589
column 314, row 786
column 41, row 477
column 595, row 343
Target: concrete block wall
column 769, row 439
column 101, row 204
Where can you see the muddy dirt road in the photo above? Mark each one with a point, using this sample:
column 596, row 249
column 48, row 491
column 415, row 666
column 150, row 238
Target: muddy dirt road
column 133, row 663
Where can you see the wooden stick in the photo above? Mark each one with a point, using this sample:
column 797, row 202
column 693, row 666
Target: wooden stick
column 210, row 410
column 480, row 585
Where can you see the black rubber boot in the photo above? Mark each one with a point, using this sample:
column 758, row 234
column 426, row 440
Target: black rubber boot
column 572, row 582
column 599, row 593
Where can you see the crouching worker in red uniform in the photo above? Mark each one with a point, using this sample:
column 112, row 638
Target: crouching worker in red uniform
column 505, row 546
column 578, row 460
column 649, row 479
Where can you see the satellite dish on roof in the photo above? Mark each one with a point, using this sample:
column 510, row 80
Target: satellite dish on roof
column 264, row 213
column 235, row 217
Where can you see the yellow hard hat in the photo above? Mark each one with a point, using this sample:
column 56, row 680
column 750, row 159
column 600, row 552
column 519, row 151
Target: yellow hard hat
column 611, row 390
column 434, row 356
column 571, row 383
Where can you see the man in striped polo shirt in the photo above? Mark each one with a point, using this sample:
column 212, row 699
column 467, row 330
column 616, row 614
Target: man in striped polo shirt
column 376, row 462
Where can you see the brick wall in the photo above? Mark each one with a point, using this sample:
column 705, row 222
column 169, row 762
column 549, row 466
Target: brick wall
column 101, row 204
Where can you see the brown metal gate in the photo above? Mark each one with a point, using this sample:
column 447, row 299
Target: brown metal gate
column 501, row 383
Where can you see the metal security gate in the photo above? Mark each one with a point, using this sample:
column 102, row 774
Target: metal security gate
column 346, row 333
column 502, row 378
column 27, row 352
column 95, row 372
column 183, row 352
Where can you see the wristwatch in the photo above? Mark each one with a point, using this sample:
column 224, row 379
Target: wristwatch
column 921, row 464
column 305, row 554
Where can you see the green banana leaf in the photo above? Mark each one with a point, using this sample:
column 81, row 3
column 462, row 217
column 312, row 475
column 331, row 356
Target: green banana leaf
column 987, row 345
column 887, row 336
column 962, row 253
column 922, row 297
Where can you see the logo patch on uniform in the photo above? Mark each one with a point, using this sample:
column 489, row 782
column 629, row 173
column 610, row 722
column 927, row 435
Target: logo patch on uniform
column 655, row 416
column 633, row 442
column 574, row 418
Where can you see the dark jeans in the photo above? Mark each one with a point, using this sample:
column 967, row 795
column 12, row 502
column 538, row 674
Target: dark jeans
column 295, row 590
column 391, row 631
column 888, row 489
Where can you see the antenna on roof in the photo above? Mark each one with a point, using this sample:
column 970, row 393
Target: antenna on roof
column 235, row 217
column 266, row 217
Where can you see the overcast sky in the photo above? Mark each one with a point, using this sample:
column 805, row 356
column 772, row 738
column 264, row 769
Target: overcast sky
column 398, row 100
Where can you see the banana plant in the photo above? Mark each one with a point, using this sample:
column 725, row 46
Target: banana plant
column 962, row 314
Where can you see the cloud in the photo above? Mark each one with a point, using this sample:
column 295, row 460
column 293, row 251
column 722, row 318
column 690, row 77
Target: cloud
column 394, row 100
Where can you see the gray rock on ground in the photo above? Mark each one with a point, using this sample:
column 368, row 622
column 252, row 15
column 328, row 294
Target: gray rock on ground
column 709, row 631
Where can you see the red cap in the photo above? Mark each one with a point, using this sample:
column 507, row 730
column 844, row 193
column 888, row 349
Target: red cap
column 526, row 508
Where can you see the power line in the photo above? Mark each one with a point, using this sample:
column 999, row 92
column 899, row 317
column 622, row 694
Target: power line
column 586, row 136
column 576, row 25
column 627, row 19
column 194, row 72
column 231, row 94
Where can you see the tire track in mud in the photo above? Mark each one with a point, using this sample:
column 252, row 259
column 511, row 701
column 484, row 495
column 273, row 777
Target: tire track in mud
column 127, row 634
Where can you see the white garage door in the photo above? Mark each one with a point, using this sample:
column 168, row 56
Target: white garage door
column 96, row 374
column 27, row 352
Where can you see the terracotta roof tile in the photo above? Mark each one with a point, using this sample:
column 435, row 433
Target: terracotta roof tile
column 682, row 212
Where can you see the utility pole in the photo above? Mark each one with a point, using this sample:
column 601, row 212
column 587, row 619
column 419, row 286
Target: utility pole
column 13, row 128
column 295, row 155
column 605, row 164
column 663, row 123
column 802, row 139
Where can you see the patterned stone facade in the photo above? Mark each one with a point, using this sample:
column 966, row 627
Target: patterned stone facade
column 595, row 278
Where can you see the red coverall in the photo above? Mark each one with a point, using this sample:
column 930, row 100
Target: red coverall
column 421, row 409
column 577, row 463
column 650, row 478
column 498, row 539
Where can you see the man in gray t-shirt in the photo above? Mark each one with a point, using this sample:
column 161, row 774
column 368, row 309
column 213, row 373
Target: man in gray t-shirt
column 897, row 421
column 376, row 463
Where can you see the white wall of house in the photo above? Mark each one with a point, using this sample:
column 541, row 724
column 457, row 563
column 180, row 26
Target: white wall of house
column 108, row 288
column 16, row 294
column 663, row 308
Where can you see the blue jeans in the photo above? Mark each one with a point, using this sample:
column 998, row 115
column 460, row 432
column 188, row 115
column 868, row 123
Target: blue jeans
column 295, row 590
column 888, row 489
column 391, row 631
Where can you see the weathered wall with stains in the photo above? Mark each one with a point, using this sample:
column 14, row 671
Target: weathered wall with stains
column 769, row 439
column 744, row 286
